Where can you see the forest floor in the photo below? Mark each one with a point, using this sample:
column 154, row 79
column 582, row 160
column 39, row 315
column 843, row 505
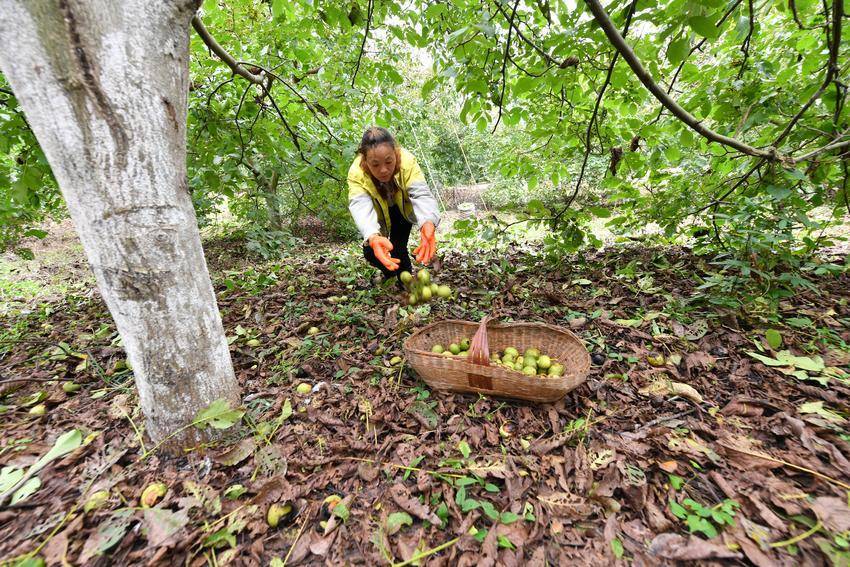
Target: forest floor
column 750, row 465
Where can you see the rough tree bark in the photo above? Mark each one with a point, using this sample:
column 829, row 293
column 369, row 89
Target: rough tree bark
column 104, row 86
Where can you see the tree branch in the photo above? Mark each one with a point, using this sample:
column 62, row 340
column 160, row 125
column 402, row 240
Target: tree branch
column 505, row 57
column 731, row 190
column 306, row 74
column 793, row 6
column 699, row 45
column 571, row 61
column 623, row 48
column 222, row 54
column 827, row 148
column 363, row 45
column 831, row 69
column 306, row 102
column 589, row 133
column 745, row 47
column 844, row 186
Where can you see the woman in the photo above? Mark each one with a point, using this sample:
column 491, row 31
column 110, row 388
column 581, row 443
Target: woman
column 387, row 193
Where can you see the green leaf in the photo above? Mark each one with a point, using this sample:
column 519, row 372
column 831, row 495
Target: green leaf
column 341, row 511
column 774, row 338
column 479, row 535
column 523, row 84
column 464, row 449
column 678, row 510
column 697, row 524
column 235, row 491
column 490, row 510
column 504, row 542
column 37, row 233
column 818, row 408
column 460, row 496
column 286, row 411
column 766, row 359
column 778, row 193
column 428, row 87
column 617, row 548
column 9, row 477
column 434, row 10
column 64, row 444
column 676, row 481
column 508, row 517
column 424, row 410
column 814, row 364
column 704, row 26
column 218, row 415
column 678, row 50
column 220, row 538
column 278, row 8
column 600, row 212
column 26, row 490
column 396, row 520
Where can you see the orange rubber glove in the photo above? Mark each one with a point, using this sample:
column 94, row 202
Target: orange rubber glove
column 382, row 246
column 427, row 244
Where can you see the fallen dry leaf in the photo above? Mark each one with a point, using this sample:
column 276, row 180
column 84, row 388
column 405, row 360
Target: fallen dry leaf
column 408, row 503
column 664, row 387
column 833, row 512
column 677, row 547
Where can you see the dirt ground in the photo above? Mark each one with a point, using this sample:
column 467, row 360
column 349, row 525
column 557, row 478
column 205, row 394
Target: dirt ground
column 696, row 436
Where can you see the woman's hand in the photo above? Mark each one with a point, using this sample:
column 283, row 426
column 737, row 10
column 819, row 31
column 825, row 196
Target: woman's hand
column 382, row 246
column 427, row 244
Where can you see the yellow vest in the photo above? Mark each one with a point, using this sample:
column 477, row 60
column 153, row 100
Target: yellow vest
column 359, row 182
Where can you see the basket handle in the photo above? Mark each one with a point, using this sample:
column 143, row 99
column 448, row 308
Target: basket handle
column 479, row 350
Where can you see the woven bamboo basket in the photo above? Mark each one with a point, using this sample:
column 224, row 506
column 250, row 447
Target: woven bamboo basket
column 475, row 374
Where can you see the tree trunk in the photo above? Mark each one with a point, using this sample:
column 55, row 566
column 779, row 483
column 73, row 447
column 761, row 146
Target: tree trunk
column 270, row 193
column 104, row 86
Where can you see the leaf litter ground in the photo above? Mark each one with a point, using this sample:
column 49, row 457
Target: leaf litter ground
column 706, row 453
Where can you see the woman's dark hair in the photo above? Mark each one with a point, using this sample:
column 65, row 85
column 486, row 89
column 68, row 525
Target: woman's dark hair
column 375, row 136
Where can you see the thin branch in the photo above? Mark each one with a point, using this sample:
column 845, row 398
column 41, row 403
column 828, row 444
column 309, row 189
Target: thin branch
column 824, row 149
column 306, row 74
column 302, row 201
column 620, row 44
column 527, row 72
column 571, row 61
column 306, row 102
column 696, row 47
column 215, row 90
column 844, row 186
column 363, row 45
column 745, row 47
column 238, row 127
column 831, row 69
column 731, row 190
column 210, row 41
column 793, row 6
column 589, row 133
column 700, row 43
column 505, row 57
